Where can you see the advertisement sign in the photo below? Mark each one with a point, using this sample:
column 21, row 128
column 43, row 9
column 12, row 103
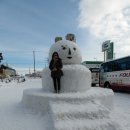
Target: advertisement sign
column 109, row 52
column 105, row 45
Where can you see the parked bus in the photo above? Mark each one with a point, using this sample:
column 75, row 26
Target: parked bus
column 115, row 74
column 94, row 68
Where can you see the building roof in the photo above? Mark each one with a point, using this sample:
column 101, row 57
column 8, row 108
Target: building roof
column 92, row 62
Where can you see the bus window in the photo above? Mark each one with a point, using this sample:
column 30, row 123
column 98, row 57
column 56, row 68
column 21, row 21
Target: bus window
column 128, row 65
column 105, row 68
column 123, row 66
column 109, row 68
column 115, row 66
column 102, row 69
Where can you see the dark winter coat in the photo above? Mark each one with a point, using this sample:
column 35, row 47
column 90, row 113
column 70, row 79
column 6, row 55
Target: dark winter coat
column 58, row 65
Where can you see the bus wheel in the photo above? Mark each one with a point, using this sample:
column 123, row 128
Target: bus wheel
column 107, row 85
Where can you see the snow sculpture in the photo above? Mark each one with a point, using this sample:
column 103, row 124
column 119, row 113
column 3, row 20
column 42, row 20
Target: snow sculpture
column 77, row 78
column 78, row 106
column 67, row 50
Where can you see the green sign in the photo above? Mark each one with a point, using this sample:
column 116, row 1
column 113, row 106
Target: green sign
column 110, row 52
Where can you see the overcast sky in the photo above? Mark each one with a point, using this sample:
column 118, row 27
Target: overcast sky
column 32, row 25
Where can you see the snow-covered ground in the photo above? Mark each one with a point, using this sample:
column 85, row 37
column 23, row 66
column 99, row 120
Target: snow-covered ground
column 13, row 116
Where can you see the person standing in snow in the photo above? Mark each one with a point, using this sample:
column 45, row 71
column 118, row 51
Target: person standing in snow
column 56, row 72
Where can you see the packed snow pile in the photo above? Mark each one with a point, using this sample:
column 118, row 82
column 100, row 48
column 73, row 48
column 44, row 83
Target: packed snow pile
column 68, row 51
column 77, row 78
column 77, row 102
column 73, row 111
column 39, row 100
column 13, row 112
column 81, row 116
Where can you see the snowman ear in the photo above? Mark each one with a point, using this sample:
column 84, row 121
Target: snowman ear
column 58, row 39
column 71, row 37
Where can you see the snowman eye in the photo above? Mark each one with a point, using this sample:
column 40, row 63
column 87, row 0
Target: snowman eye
column 63, row 47
column 74, row 49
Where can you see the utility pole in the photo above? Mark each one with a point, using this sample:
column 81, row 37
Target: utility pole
column 34, row 61
column 104, row 56
column 29, row 71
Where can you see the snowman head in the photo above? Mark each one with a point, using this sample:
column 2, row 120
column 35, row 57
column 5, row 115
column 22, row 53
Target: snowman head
column 68, row 51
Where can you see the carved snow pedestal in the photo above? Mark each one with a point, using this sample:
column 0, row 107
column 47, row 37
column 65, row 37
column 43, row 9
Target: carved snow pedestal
column 78, row 106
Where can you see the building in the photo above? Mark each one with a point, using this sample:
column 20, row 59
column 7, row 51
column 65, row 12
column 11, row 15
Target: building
column 94, row 67
column 6, row 71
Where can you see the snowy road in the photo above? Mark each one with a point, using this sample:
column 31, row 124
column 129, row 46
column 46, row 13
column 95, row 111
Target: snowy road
column 14, row 117
column 121, row 112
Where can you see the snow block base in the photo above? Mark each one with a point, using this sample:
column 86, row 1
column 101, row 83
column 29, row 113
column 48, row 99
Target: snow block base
column 76, row 78
column 39, row 100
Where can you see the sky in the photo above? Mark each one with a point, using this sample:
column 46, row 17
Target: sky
column 29, row 25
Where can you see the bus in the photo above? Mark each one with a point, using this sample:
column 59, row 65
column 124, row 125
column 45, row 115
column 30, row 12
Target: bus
column 115, row 74
column 94, row 68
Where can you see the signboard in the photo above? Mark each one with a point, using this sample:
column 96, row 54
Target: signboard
column 109, row 52
column 105, row 45
column 94, row 69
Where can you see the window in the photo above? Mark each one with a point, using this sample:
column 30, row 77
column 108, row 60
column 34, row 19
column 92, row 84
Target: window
column 128, row 65
column 123, row 66
column 116, row 65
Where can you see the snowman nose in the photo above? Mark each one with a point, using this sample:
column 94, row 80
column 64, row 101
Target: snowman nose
column 69, row 51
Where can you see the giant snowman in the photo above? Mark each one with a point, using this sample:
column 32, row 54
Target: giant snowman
column 78, row 106
column 76, row 77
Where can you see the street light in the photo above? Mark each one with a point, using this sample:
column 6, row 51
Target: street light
column 34, row 61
